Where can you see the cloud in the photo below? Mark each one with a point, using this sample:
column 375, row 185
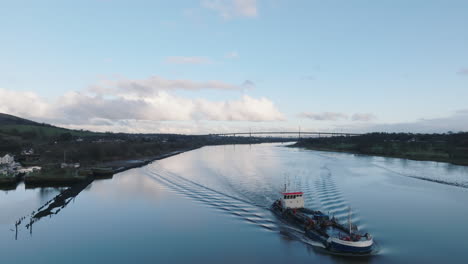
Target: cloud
column 188, row 60
column 248, row 84
column 232, row 55
column 362, row 117
column 458, row 121
column 324, row 116
column 335, row 116
column 232, row 8
column 455, row 122
column 155, row 84
column 22, row 103
column 80, row 108
column 463, row 71
column 127, row 107
column 201, row 127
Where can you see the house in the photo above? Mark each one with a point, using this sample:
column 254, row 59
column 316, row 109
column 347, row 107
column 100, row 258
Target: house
column 7, row 159
column 29, row 170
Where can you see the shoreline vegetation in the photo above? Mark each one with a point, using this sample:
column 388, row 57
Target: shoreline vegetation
column 449, row 148
column 67, row 177
column 67, row 157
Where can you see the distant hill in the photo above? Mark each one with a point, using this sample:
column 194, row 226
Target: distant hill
column 6, row 119
column 13, row 128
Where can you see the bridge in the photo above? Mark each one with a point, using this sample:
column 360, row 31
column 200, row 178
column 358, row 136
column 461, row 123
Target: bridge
column 295, row 134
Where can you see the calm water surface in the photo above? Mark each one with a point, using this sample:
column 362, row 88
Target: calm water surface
column 211, row 205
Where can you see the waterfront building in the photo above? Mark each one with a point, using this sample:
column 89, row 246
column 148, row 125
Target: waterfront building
column 7, row 159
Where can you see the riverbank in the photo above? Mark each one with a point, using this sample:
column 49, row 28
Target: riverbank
column 409, row 156
column 69, row 177
column 449, row 148
column 123, row 165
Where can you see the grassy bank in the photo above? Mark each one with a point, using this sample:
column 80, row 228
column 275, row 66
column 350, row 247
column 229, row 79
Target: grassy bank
column 450, row 148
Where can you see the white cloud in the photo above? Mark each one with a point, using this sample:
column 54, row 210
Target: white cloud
column 363, row 117
column 232, row 55
column 324, row 116
column 165, row 107
column 188, row 60
column 155, row 84
column 138, row 102
column 232, row 8
column 335, row 116
column 22, row 103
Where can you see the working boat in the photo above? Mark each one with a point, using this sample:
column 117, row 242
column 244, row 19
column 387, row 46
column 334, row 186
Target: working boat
column 318, row 226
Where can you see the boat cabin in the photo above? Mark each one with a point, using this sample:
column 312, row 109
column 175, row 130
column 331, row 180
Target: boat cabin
column 292, row 200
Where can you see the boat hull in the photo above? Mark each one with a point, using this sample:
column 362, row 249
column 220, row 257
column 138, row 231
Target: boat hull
column 332, row 243
column 349, row 246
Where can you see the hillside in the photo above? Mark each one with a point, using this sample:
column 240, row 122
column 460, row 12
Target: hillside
column 6, row 119
column 18, row 133
column 50, row 142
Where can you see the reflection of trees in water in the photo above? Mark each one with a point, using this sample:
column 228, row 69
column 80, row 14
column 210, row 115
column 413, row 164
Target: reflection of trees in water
column 53, row 206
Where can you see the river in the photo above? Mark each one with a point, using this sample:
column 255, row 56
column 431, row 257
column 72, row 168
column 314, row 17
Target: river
column 210, row 205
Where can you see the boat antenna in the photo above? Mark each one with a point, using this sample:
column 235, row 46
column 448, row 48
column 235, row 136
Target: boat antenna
column 349, row 219
column 285, row 182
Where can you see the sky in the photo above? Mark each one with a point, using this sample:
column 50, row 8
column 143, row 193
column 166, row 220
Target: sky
column 207, row 66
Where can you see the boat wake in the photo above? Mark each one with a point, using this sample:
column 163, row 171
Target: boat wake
column 238, row 207
column 435, row 174
column 320, row 192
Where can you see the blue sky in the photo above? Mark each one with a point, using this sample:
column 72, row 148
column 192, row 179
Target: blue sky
column 322, row 65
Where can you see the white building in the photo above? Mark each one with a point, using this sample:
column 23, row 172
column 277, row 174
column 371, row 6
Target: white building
column 7, row 159
column 29, row 170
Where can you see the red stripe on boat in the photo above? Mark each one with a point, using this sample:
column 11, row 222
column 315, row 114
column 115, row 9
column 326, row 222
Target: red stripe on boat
column 293, row 193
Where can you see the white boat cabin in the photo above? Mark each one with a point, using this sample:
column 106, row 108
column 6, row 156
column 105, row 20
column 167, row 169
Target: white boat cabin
column 292, row 200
